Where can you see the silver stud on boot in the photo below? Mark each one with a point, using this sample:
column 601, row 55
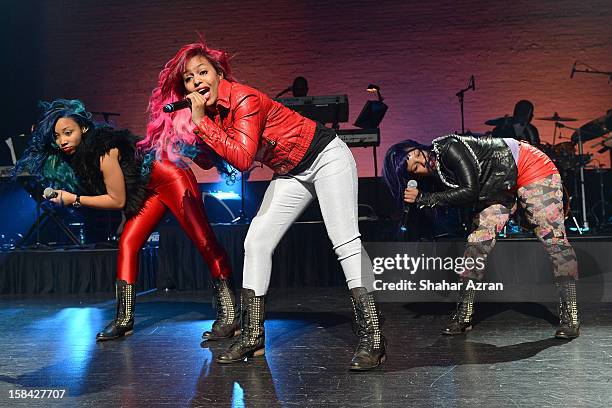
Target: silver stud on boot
column 227, row 323
column 371, row 349
column 123, row 325
column 569, row 323
column 251, row 341
column 461, row 321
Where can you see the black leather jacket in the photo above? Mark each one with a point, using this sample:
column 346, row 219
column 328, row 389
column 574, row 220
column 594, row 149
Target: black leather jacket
column 473, row 170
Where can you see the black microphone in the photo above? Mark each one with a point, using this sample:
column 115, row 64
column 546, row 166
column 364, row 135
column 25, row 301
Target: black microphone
column 183, row 103
column 573, row 70
column 49, row 193
column 473, row 83
column 407, row 206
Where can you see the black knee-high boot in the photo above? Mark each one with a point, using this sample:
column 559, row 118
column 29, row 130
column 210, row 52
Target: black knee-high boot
column 251, row 341
column 462, row 319
column 371, row 349
column 569, row 323
column 227, row 323
column 123, row 325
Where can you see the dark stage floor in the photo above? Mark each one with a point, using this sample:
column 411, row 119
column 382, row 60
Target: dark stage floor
column 509, row 360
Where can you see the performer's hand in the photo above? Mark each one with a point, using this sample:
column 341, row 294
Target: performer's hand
column 411, row 194
column 198, row 106
column 63, row 198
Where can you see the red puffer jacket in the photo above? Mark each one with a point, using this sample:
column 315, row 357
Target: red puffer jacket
column 252, row 127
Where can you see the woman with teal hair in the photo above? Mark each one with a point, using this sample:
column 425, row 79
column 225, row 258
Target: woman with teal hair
column 100, row 167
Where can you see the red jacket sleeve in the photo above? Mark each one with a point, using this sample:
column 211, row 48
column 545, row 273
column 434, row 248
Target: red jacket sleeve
column 239, row 143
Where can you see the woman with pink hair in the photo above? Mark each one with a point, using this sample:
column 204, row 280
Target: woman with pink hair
column 242, row 125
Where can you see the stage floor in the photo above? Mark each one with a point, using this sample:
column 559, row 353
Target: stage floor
column 510, row 359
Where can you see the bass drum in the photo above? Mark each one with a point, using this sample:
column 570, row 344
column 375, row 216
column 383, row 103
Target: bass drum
column 562, row 154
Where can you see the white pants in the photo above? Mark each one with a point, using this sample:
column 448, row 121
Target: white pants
column 332, row 178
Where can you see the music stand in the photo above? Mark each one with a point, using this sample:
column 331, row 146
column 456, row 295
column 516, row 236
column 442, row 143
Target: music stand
column 370, row 117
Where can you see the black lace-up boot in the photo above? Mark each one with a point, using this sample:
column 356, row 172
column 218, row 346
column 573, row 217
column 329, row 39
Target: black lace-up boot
column 123, row 325
column 371, row 349
column 462, row 319
column 569, row 324
column 251, row 341
column 227, row 323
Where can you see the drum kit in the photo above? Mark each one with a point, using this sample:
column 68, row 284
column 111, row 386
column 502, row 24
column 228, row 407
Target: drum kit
column 571, row 159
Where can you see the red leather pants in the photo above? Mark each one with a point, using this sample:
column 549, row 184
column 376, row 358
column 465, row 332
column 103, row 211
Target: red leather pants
column 176, row 189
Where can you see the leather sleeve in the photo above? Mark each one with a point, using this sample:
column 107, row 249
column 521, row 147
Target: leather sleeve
column 239, row 143
column 457, row 159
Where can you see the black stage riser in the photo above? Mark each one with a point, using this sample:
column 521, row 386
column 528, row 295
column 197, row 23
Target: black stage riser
column 304, row 258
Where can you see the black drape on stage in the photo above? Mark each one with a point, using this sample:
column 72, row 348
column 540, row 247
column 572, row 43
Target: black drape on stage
column 304, row 257
column 68, row 271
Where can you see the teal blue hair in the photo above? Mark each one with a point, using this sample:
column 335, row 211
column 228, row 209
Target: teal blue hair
column 43, row 157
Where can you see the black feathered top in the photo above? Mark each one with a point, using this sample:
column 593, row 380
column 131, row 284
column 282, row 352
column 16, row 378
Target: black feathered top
column 86, row 165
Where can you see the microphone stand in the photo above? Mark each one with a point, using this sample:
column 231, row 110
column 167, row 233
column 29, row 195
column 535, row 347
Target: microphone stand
column 460, row 95
column 603, row 221
column 42, row 216
column 581, row 165
column 284, row 91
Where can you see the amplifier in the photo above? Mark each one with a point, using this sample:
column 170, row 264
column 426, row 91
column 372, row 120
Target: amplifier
column 324, row 109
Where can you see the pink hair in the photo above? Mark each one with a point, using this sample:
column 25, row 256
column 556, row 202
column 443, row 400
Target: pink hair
column 169, row 133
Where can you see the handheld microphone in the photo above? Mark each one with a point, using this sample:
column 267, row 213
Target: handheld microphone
column 183, row 103
column 49, row 193
column 407, row 206
column 473, row 81
column 573, row 70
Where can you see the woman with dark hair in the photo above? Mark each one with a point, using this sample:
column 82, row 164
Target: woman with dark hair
column 104, row 170
column 243, row 125
column 492, row 173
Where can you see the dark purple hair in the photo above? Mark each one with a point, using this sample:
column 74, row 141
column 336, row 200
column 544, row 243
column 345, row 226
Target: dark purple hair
column 395, row 171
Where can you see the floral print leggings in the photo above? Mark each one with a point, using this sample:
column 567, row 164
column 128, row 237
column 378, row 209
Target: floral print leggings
column 542, row 201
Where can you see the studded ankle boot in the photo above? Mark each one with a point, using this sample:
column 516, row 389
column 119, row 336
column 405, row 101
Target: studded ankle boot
column 227, row 323
column 569, row 324
column 251, row 341
column 462, row 319
column 123, row 325
column 371, row 349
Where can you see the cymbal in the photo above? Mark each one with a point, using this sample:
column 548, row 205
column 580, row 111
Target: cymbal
column 557, row 118
column 595, row 128
column 502, row 120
